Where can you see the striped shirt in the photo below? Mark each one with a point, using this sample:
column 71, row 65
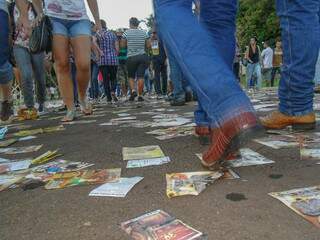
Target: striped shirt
column 136, row 40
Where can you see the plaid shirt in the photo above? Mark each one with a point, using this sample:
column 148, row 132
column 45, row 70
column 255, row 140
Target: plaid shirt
column 107, row 40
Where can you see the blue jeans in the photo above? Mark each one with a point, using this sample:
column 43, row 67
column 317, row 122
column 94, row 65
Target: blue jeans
column 299, row 20
column 147, row 81
column 254, row 73
column 176, row 77
column 197, row 53
column 94, row 86
column 31, row 67
column 6, row 74
column 70, row 28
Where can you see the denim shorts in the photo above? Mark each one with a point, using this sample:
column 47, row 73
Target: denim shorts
column 70, row 28
column 6, row 73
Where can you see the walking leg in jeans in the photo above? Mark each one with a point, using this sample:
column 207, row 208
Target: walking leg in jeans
column 164, row 78
column 106, row 82
column 113, row 81
column 6, row 73
column 94, row 85
column 40, row 78
column 257, row 71
column 232, row 117
column 157, row 76
column 299, row 20
column 24, row 63
column 176, row 76
column 222, row 29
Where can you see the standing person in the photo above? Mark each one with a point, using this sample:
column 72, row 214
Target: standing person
column 109, row 45
column 277, row 61
column 136, row 41
column 233, row 121
column 70, row 24
column 122, row 73
column 31, row 67
column 236, row 62
column 6, row 72
column 95, row 57
column 299, row 21
column 159, row 64
column 253, row 68
column 267, row 60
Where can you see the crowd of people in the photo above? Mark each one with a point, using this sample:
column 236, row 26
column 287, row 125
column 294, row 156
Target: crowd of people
column 190, row 53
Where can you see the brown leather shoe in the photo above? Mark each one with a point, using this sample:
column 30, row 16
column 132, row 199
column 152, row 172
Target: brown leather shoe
column 203, row 134
column 278, row 120
column 232, row 135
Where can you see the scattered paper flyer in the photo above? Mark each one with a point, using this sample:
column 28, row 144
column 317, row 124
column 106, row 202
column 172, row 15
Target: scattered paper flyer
column 47, row 156
column 19, row 150
column 14, row 166
column 190, row 183
column 310, row 151
column 3, row 132
column 80, row 122
column 124, row 114
column 139, row 153
column 27, row 138
column 304, row 201
column 116, row 189
column 61, row 166
column 279, row 141
column 159, row 225
column 8, row 180
column 147, row 162
column 7, row 143
column 248, row 158
column 170, row 122
column 83, row 177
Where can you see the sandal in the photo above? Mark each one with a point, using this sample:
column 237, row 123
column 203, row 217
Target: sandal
column 70, row 116
column 86, row 108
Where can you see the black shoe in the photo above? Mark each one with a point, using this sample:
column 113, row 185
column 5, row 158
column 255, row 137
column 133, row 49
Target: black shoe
column 140, row 99
column 41, row 108
column 132, row 96
column 188, row 96
column 177, row 102
column 6, row 110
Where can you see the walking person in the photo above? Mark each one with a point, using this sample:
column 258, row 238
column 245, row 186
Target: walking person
column 122, row 73
column 108, row 64
column 277, row 61
column 300, row 40
column 94, row 91
column 31, row 66
column 232, row 118
column 159, row 65
column 253, row 55
column 136, row 42
column 267, row 60
column 70, row 24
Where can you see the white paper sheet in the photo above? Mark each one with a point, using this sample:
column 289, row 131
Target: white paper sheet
column 117, row 189
column 147, row 162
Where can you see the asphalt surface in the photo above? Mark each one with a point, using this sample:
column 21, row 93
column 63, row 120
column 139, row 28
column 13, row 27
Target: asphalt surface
column 226, row 210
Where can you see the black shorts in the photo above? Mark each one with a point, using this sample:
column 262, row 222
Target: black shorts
column 137, row 66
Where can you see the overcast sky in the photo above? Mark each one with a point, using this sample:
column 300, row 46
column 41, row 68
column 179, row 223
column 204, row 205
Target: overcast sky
column 117, row 12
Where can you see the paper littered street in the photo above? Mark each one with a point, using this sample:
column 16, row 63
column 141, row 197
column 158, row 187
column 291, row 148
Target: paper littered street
column 14, row 166
column 249, row 157
column 116, row 189
column 147, row 162
column 304, row 201
column 190, row 183
column 159, row 225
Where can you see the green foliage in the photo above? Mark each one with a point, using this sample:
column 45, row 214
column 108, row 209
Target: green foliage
column 150, row 22
column 257, row 18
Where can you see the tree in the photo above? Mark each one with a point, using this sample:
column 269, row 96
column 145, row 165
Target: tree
column 259, row 19
column 150, row 21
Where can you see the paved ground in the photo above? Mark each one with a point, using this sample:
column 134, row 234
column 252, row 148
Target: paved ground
column 71, row 214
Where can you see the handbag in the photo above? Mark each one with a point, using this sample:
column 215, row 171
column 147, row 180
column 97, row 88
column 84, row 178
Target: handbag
column 41, row 36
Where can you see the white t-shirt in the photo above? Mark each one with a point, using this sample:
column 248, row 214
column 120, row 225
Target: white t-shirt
column 66, row 9
column 267, row 57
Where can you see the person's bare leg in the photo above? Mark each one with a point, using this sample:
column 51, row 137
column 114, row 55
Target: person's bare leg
column 132, row 85
column 140, row 86
column 6, row 91
column 60, row 51
column 82, row 49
